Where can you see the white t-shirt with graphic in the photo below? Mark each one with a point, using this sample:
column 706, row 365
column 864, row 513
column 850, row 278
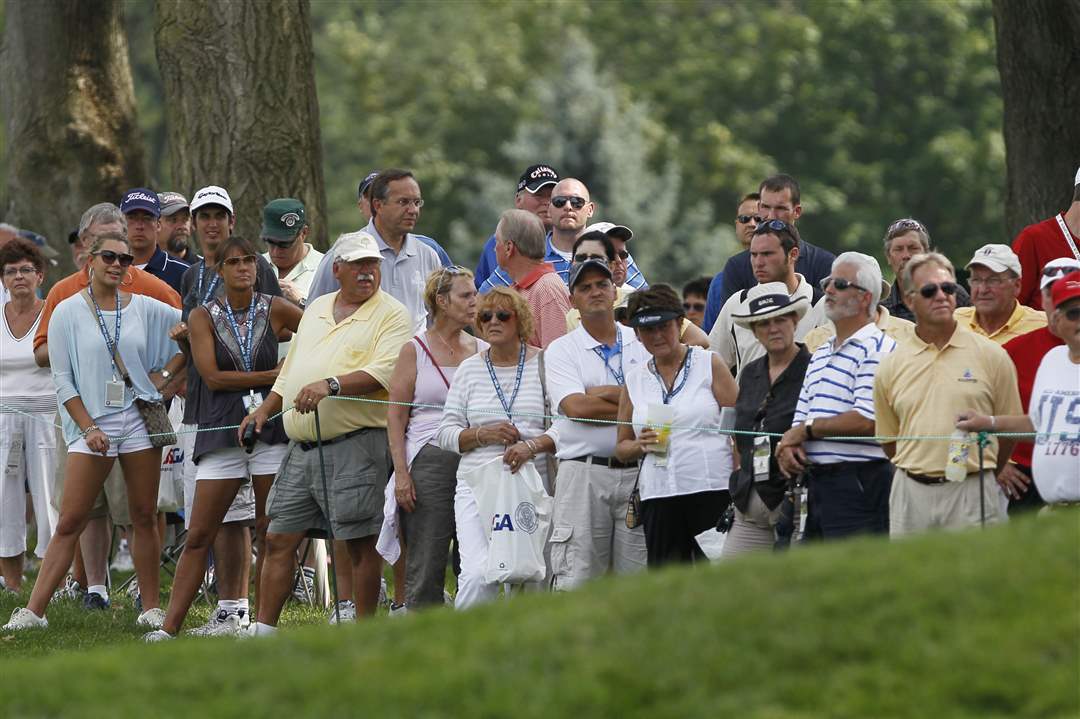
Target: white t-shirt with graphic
column 1055, row 410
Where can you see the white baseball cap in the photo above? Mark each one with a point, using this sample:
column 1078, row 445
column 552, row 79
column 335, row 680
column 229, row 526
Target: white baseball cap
column 212, row 195
column 1057, row 269
column 997, row 257
column 356, row 246
column 610, row 228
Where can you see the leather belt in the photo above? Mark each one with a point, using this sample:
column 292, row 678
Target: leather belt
column 308, row 446
column 609, row 462
column 925, row 479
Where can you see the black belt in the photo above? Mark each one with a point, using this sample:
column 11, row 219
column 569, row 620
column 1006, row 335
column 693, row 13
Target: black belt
column 925, row 479
column 308, row 446
column 609, row 462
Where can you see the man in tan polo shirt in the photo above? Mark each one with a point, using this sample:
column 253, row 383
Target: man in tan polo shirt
column 936, row 371
column 995, row 312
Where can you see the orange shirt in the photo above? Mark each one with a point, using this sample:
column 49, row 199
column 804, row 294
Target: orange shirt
column 136, row 282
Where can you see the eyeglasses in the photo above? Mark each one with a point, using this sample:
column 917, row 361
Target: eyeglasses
column 244, row 259
column 745, row 219
column 16, row 271
column 583, row 257
column 109, row 257
column 1072, row 314
column 987, row 281
column 502, row 315
column 693, row 306
column 770, row 226
column 1058, row 271
column 930, row 291
column 622, row 255
column 576, row 202
column 404, row 202
column 840, row 284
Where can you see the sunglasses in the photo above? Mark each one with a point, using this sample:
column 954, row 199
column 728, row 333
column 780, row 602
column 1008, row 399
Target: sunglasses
column 930, row 291
column 447, row 277
column 502, row 315
column 234, row 261
column 840, row 284
column 1072, row 314
column 576, row 202
column 1057, row 271
column 109, row 257
column 745, row 219
column 622, row 255
column 281, row 244
column 583, row 257
column 769, row 226
column 693, row 306
column 906, row 225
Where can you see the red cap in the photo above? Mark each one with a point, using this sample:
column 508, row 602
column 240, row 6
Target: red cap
column 1066, row 288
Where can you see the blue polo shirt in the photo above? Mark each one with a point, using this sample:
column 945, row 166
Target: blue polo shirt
column 713, row 303
column 488, row 273
column 444, row 258
column 166, row 268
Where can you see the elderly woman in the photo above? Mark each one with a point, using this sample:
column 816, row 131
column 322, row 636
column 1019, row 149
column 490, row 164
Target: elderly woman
column 685, row 467
column 904, row 239
column 28, row 397
column 425, row 476
column 768, row 394
column 104, row 345
column 500, row 382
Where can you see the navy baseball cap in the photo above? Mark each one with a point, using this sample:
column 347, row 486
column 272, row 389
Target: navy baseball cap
column 365, row 183
column 141, row 198
column 536, row 177
column 577, row 270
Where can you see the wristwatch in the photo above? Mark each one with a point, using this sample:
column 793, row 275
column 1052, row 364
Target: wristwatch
column 809, row 425
column 334, row 385
column 166, row 374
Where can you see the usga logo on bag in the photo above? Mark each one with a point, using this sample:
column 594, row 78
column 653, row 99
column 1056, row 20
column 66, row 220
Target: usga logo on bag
column 525, row 515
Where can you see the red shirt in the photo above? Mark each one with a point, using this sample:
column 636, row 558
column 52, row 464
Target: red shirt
column 1026, row 352
column 1035, row 246
column 549, row 300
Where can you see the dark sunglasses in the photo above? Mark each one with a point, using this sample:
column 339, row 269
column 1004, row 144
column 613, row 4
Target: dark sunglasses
column 622, row 255
column 905, row 225
column 1057, row 271
column 583, row 256
column 502, row 315
column 930, row 291
column 769, row 226
column 576, row 202
column 1072, row 314
column 109, row 257
column 693, row 306
column 234, row 261
column 281, row 244
column 745, row 219
column 840, row 284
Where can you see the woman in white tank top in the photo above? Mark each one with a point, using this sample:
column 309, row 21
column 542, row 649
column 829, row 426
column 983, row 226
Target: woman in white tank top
column 683, row 489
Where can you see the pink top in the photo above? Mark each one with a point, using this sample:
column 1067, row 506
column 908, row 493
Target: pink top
column 430, row 389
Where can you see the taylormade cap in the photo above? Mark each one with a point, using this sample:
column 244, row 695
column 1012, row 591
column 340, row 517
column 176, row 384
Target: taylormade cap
column 212, row 195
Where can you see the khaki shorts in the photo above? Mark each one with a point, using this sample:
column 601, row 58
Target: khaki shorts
column 356, row 475
column 113, row 500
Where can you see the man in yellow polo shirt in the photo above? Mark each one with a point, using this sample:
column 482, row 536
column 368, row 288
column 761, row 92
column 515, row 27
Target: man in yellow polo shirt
column 936, row 371
column 995, row 311
column 346, row 344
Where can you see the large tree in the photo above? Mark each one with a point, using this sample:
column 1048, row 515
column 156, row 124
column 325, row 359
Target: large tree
column 1038, row 48
column 69, row 113
column 240, row 103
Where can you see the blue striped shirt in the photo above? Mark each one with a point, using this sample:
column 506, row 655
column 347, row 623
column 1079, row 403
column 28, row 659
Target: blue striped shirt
column 838, row 380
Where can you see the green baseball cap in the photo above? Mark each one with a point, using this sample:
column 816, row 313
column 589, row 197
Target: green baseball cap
column 283, row 219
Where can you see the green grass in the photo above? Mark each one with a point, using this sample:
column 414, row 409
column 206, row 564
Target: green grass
column 979, row 624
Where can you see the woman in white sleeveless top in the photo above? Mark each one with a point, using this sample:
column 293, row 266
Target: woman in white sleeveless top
column 683, row 490
column 27, row 412
column 420, row 498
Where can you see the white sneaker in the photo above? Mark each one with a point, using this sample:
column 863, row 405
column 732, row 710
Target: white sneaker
column 346, row 609
column 122, row 562
column 245, row 619
column 398, row 610
column 158, row 635
column 23, row 618
column 70, row 590
column 222, row 623
column 152, row 618
column 384, row 598
column 304, row 589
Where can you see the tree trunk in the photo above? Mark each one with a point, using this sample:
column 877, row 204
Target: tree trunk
column 1038, row 55
column 68, row 104
column 242, row 112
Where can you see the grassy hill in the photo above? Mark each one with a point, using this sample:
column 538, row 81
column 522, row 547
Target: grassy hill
column 979, row 624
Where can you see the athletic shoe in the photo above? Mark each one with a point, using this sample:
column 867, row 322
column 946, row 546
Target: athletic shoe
column 158, row 635
column 304, row 589
column 122, row 562
column 398, row 610
column 245, row 619
column 152, row 618
column 384, row 598
column 346, row 609
column 222, row 623
column 4, row 587
column 93, row 600
column 70, row 590
column 23, row 618
column 447, row 598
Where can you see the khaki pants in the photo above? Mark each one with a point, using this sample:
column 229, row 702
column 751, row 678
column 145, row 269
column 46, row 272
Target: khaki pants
column 915, row 507
column 754, row 531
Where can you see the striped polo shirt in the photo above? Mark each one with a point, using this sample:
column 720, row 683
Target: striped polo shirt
column 838, row 380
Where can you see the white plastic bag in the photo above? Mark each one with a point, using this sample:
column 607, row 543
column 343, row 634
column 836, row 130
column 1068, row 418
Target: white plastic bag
column 171, row 486
column 520, row 524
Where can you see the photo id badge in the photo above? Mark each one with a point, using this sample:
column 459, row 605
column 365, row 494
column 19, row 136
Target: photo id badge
column 114, row 393
column 252, row 401
column 762, row 453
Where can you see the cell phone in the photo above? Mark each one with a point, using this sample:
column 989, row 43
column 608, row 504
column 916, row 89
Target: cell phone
column 248, row 440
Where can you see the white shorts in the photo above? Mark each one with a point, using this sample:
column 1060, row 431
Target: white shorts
column 235, row 463
column 242, row 508
column 118, row 424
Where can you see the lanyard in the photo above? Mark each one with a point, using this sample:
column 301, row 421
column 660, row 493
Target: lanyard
column 676, row 388
column 111, row 343
column 245, row 347
column 1068, row 236
column 205, row 296
column 517, row 381
column 605, row 353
